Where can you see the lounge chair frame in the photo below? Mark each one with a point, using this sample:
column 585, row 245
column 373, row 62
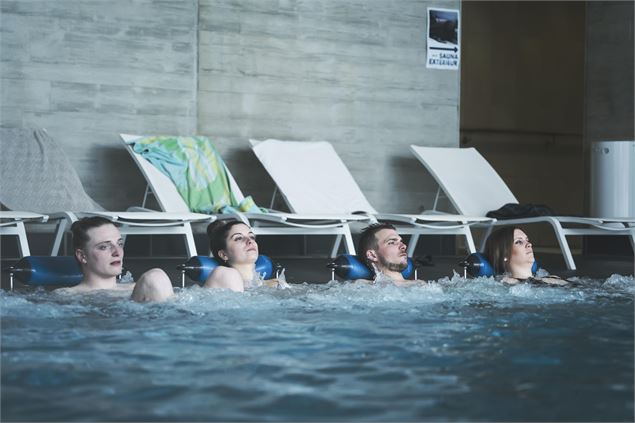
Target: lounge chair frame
column 321, row 155
column 12, row 223
column 466, row 191
column 133, row 221
column 273, row 223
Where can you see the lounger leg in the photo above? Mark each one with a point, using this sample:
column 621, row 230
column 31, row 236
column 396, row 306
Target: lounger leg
column 564, row 245
column 17, row 228
column 469, row 239
column 412, row 245
column 190, row 245
column 336, row 245
column 59, row 236
column 350, row 246
column 566, row 252
column 22, row 240
column 485, row 236
column 632, row 238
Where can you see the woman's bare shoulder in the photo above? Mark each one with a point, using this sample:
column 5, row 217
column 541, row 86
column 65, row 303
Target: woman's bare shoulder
column 225, row 277
column 509, row 280
column 224, row 270
column 553, row 280
column 68, row 290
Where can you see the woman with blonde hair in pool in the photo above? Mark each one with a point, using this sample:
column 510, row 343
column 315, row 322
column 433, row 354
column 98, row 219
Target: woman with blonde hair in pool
column 511, row 254
column 233, row 244
column 98, row 249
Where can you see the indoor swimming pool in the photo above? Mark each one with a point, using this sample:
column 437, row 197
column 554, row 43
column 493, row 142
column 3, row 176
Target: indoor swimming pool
column 451, row 350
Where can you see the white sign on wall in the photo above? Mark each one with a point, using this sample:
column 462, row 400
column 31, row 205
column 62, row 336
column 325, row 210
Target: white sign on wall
column 444, row 50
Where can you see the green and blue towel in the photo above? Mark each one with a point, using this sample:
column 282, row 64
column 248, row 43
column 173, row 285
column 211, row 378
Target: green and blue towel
column 197, row 170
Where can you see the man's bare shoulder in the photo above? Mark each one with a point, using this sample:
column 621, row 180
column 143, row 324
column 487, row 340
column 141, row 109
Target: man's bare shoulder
column 83, row 288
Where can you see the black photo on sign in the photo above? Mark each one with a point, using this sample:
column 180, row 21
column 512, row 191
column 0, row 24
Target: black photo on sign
column 444, row 26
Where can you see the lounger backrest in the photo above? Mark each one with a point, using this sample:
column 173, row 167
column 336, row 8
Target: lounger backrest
column 311, row 177
column 469, row 181
column 161, row 185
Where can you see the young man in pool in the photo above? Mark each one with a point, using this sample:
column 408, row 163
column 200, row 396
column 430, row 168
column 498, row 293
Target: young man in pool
column 384, row 252
column 98, row 249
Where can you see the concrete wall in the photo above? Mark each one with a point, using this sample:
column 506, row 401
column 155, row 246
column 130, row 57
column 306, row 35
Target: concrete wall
column 522, row 97
column 609, row 113
column 88, row 70
column 351, row 72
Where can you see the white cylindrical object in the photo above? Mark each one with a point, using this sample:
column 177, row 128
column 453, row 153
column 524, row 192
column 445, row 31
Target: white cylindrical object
column 613, row 179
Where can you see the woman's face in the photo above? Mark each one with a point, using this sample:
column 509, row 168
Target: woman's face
column 241, row 246
column 103, row 253
column 522, row 250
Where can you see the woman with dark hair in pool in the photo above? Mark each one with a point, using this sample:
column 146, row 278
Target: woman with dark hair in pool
column 233, row 244
column 511, row 254
column 98, row 249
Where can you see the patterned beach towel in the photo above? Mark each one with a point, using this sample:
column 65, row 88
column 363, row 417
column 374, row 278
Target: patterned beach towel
column 197, row 170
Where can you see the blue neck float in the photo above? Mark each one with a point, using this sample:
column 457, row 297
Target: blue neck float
column 198, row 268
column 65, row 271
column 46, row 271
column 349, row 267
column 477, row 265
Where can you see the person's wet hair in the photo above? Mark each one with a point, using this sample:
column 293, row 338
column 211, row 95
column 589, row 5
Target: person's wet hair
column 368, row 240
column 80, row 229
column 498, row 247
column 217, row 233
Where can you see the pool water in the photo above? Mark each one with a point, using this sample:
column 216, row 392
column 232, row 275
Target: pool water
column 450, row 350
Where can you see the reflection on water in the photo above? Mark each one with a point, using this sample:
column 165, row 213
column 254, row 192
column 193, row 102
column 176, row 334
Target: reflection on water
column 454, row 349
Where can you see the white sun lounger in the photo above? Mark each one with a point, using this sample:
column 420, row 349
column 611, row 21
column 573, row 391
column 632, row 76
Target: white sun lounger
column 37, row 176
column 12, row 223
column 273, row 223
column 474, row 187
column 313, row 179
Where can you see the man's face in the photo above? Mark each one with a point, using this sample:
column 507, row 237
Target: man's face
column 103, row 253
column 391, row 251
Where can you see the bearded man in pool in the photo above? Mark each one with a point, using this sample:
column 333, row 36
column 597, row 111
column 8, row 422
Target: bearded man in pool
column 384, row 252
column 98, row 249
